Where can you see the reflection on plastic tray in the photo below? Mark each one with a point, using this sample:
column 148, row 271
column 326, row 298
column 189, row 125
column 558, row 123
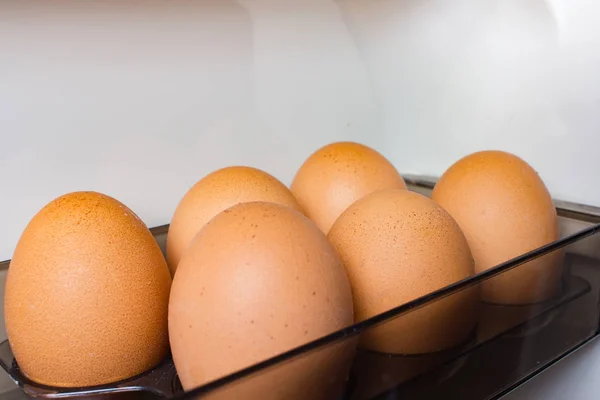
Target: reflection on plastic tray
column 509, row 344
column 378, row 373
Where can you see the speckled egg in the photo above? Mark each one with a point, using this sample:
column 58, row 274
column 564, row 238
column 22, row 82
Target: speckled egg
column 397, row 246
column 337, row 175
column 260, row 279
column 505, row 210
column 216, row 192
column 87, row 294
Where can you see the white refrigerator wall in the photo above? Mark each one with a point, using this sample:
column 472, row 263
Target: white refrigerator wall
column 140, row 99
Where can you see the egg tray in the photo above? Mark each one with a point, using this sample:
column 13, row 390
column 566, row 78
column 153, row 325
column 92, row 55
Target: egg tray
column 520, row 341
column 409, row 376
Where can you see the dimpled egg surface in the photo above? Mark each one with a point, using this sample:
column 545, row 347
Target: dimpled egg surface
column 87, row 294
column 337, row 175
column 397, row 246
column 214, row 193
column 505, row 210
column 260, row 279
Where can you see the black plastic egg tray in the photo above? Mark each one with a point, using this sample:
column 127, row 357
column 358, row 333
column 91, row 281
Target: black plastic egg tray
column 510, row 344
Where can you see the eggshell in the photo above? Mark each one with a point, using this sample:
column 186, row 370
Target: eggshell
column 397, row 246
column 505, row 210
column 257, row 280
column 86, row 294
column 337, row 175
column 216, row 192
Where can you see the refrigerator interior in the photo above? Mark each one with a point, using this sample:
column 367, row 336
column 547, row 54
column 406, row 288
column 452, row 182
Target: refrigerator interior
column 139, row 100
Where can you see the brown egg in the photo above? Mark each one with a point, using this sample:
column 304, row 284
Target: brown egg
column 505, row 210
column 337, row 175
column 216, row 192
column 397, row 246
column 257, row 280
column 86, row 294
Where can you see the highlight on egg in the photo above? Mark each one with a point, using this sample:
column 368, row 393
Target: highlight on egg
column 216, row 192
column 398, row 245
column 87, row 294
column 505, row 210
column 257, row 280
column 337, row 175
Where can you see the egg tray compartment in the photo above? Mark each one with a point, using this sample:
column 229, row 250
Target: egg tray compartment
column 544, row 326
column 522, row 341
